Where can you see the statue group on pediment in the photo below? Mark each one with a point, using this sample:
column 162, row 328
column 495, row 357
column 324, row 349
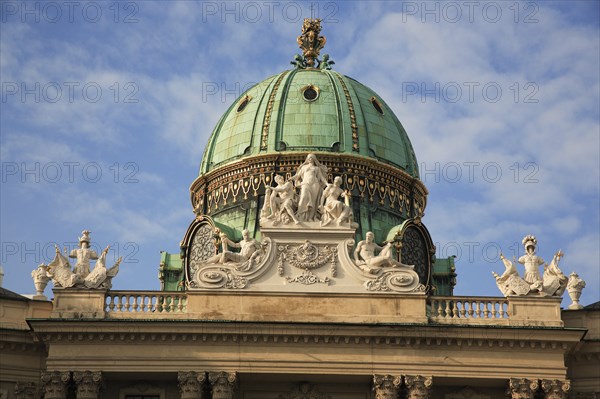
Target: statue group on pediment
column 366, row 259
column 248, row 256
column 551, row 283
column 81, row 275
column 307, row 197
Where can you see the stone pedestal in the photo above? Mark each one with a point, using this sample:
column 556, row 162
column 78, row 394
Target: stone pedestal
column 88, row 384
column 386, row 386
column 223, row 384
column 55, row 384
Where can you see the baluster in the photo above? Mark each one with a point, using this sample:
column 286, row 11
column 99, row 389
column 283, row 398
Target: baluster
column 463, row 310
column 440, row 308
column 119, row 302
column 134, row 303
column 471, row 311
column 486, row 309
column 480, row 309
column 172, row 303
column 111, row 303
column 502, row 310
column 160, row 302
column 455, row 309
column 180, row 305
column 143, row 304
column 448, row 310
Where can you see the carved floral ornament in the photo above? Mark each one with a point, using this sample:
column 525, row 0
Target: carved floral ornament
column 307, row 227
column 551, row 283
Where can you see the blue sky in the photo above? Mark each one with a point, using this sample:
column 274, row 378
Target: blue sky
column 106, row 108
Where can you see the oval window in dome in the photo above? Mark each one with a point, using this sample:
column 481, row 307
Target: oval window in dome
column 243, row 103
column 376, row 105
column 310, row 93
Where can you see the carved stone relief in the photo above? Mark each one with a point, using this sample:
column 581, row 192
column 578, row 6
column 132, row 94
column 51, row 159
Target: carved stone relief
column 307, row 257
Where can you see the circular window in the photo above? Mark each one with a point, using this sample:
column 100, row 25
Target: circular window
column 243, row 103
column 310, row 93
column 376, row 105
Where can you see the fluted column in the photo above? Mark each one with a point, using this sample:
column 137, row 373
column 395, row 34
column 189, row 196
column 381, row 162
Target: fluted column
column 190, row 384
column 88, row 384
column 386, row 386
column 556, row 389
column 26, row 390
column 418, row 386
column 223, row 384
column 522, row 388
column 55, row 384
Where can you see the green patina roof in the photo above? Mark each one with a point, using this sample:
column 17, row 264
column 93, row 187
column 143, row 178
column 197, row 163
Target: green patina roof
column 278, row 118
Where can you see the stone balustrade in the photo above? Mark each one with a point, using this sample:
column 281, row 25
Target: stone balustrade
column 145, row 302
column 316, row 307
column 468, row 310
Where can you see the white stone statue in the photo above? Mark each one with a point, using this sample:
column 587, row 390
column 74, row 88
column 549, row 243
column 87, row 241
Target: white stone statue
column 311, row 178
column 83, row 255
column 250, row 250
column 59, row 270
column 510, row 283
column 554, row 281
column 40, row 280
column 574, row 288
column 101, row 277
column 332, row 209
column 282, row 202
column 532, row 263
column 371, row 263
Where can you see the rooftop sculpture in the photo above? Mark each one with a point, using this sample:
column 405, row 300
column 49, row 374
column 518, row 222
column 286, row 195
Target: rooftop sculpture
column 552, row 283
column 63, row 275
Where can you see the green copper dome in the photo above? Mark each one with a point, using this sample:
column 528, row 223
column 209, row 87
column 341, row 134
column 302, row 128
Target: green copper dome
column 310, row 110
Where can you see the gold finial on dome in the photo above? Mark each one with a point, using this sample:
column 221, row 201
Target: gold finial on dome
column 310, row 42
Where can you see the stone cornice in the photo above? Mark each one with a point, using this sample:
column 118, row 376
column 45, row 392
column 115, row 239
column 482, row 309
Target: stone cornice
column 67, row 331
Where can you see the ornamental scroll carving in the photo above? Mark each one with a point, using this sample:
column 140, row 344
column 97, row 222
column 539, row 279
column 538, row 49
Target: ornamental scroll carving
column 305, row 390
column 307, row 257
column 214, row 261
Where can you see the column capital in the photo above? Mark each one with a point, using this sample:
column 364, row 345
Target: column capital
column 55, row 384
column 556, row 389
column 386, row 386
column 418, row 386
column 26, row 390
column 522, row 388
column 223, row 384
column 190, row 384
column 88, row 384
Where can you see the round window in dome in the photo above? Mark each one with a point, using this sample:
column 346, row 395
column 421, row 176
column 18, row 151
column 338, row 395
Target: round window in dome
column 243, row 103
column 310, row 93
column 376, row 105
